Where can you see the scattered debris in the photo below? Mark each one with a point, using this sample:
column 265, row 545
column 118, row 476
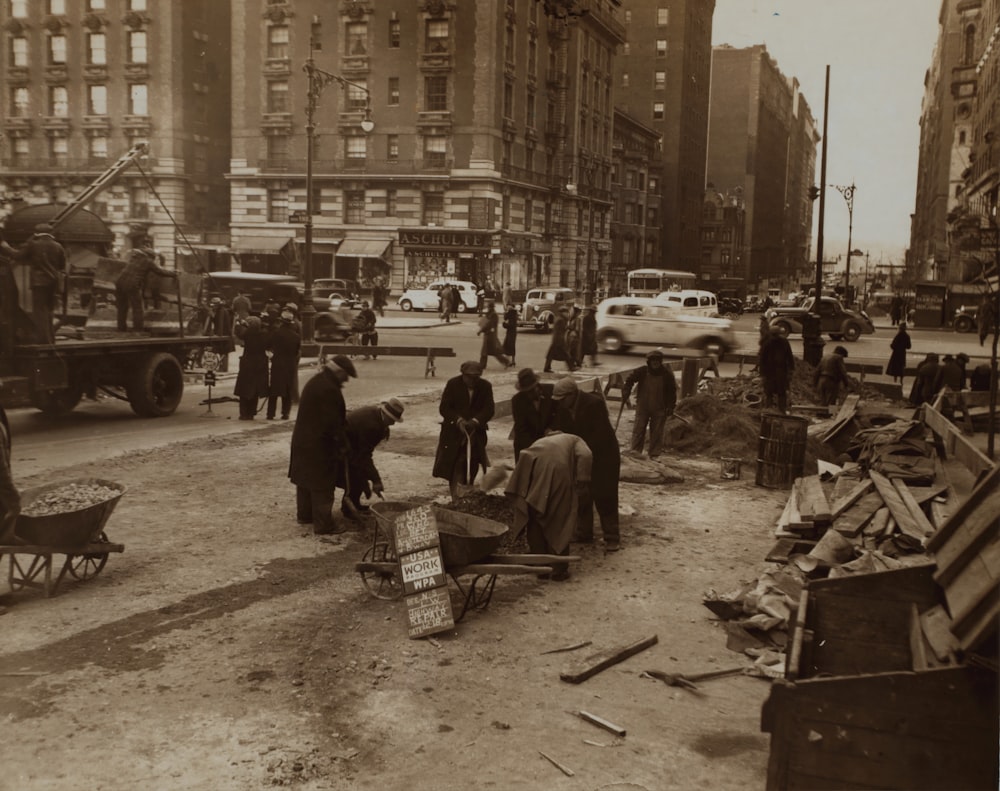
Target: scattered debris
column 573, row 647
column 595, row 663
column 564, row 769
column 600, row 722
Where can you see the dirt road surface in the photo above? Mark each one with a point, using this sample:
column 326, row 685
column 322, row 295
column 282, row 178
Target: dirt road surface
column 229, row 648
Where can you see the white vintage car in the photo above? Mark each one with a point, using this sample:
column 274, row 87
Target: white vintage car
column 624, row 322
column 427, row 298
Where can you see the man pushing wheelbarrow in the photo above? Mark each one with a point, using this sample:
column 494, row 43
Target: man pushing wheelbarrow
column 466, row 408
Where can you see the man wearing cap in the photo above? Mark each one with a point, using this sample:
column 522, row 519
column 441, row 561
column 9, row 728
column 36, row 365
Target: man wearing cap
column 531, row 409
column 284, row 342
column 319, row 445
column 586, row 415
column 131, row 283
column 367, row 426
column 547, row 483
column 831, row 373
column 655, row 399
column 466, row 406
column 364, row 325
column 776, row 362
column 47, row 260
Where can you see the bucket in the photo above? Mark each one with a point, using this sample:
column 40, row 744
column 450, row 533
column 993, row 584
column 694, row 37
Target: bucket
column 781, row 450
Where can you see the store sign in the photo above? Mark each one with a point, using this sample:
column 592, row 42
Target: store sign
column 425, row 586
column 445, row 240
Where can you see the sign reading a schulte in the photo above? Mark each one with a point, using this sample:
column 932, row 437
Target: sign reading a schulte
column 421, row 568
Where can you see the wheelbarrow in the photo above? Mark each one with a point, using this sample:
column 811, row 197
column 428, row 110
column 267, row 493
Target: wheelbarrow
column 78, row 534
column 468, row 546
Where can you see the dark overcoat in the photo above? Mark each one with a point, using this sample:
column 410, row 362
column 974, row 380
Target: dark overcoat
column 455, row 404
column 510, row 336
column 284, row 344
column 365, row 429
column 530, row 421
column 588, row 419
column 251, row 381
column 897, row 360
column 776, row 362
column 319, row 440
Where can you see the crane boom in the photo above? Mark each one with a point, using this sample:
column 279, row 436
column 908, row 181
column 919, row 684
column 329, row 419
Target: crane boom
column 101, row 183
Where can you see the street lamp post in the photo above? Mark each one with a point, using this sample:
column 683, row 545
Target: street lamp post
column 318, row 80
column 848, row 193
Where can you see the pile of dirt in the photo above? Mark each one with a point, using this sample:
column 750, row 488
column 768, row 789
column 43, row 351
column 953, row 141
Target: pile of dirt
column 748, row 388
column 496, row 507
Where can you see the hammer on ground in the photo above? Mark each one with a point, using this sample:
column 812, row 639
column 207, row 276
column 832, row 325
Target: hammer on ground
column 687, row 680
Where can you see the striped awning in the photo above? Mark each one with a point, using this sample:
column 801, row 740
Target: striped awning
column 363, row 248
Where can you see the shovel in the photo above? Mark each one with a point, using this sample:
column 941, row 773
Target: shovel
column 467, row 488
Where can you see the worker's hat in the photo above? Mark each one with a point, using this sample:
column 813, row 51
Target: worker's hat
column 393, row 410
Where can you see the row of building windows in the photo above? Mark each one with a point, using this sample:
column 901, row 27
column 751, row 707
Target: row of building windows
column 58, row 101
column 57, row 49
column 437, row 38
column 19, row 8
column 356, row 149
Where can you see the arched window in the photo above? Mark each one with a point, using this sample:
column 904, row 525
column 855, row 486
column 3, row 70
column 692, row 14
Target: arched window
column 970, row 44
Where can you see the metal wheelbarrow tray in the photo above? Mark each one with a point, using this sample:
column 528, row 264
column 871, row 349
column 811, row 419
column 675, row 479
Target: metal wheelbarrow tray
column 77, row 534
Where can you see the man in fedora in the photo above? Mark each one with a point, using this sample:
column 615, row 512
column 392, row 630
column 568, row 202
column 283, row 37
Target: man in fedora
column 466, row 408
column 367, row 426
column 319, row 445
column 531, row 408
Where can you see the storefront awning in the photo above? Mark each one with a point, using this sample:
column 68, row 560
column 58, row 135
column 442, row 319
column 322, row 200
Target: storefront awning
column 260, row 245
column 363, row 248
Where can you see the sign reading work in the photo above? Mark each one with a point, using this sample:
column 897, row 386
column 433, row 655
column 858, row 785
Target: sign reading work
column 421, row 568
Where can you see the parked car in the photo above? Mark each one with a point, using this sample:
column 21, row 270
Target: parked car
column 427, row 298
column 691, row 301
column 624, row 322
column 965, row 319
column 259, row 287
column 538, row 310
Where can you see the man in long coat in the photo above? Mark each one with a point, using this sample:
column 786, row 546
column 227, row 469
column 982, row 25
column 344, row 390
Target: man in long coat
column 586, row 415
column 531, row 409
column 467, row 407
column 367, row 427
column 284, row 344
column 319, row 445
column 776, row 363
column 251, row 380
column 546, row 485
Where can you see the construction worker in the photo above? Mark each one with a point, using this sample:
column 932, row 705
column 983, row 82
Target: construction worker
column 47, row 260
column 131, row 283
column 655, row 399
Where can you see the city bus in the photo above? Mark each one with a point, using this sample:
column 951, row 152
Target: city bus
column 650, row 282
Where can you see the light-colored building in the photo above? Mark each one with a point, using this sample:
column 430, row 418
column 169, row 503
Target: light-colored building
column 84, row 80
column 489, row 159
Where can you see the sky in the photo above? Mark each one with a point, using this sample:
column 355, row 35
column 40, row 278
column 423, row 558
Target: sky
column 878, row 52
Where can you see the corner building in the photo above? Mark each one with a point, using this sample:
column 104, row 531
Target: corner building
column 491, row 154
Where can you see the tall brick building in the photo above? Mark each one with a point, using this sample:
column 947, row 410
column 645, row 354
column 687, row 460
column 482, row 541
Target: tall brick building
column 490, row 156
column 83, row 80
column 662, row 78
column 762, row 140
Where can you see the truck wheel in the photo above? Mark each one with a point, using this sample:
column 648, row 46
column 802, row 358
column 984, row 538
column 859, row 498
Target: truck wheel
column 57, row 402
column 852, row 332
column 784, row 328
column 157, row 386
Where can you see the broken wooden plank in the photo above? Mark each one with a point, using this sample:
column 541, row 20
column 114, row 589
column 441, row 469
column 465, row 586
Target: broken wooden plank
column 795, row 521
column 567, row 648
column 564, row 769
column 602, row 660
column 842, row 502
column 957, row 445
column 876, row 527
column 919, row 517
column 781, row 530
column 854, row 520
column 600, row 722
column 896, row 506
column 813, row 505
column 924, row 493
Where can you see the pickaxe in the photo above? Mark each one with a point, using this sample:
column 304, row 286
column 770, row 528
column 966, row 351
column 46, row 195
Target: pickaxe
column 687, row 680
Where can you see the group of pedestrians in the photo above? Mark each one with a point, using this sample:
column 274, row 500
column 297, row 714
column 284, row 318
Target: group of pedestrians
column 269, row 364
column 574, row 337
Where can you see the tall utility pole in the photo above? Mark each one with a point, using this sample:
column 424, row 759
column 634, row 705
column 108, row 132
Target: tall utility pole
column 822, row 191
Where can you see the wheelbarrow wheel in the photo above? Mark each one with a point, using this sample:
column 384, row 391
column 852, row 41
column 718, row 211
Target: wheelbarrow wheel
column 85, row 567
column 382, row 583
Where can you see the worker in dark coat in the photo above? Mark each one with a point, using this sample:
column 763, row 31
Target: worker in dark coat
column 47, row 260
column 367, row 427
column 900, row 345
column 466, row 408
column 776, row 364
column 131, row 284
column 831, row 373
column 510, row 332
column 251, row 381
column 655, row 399
column 546, row 485
column 284, row 343
column 319, row 445
column 531, row 409
column 950, row 374
column 923, row 390
column 586, row 415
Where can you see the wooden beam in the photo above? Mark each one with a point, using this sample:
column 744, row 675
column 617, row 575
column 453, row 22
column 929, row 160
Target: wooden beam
column 602, row 660
column 897, row 507
column 860, row 490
